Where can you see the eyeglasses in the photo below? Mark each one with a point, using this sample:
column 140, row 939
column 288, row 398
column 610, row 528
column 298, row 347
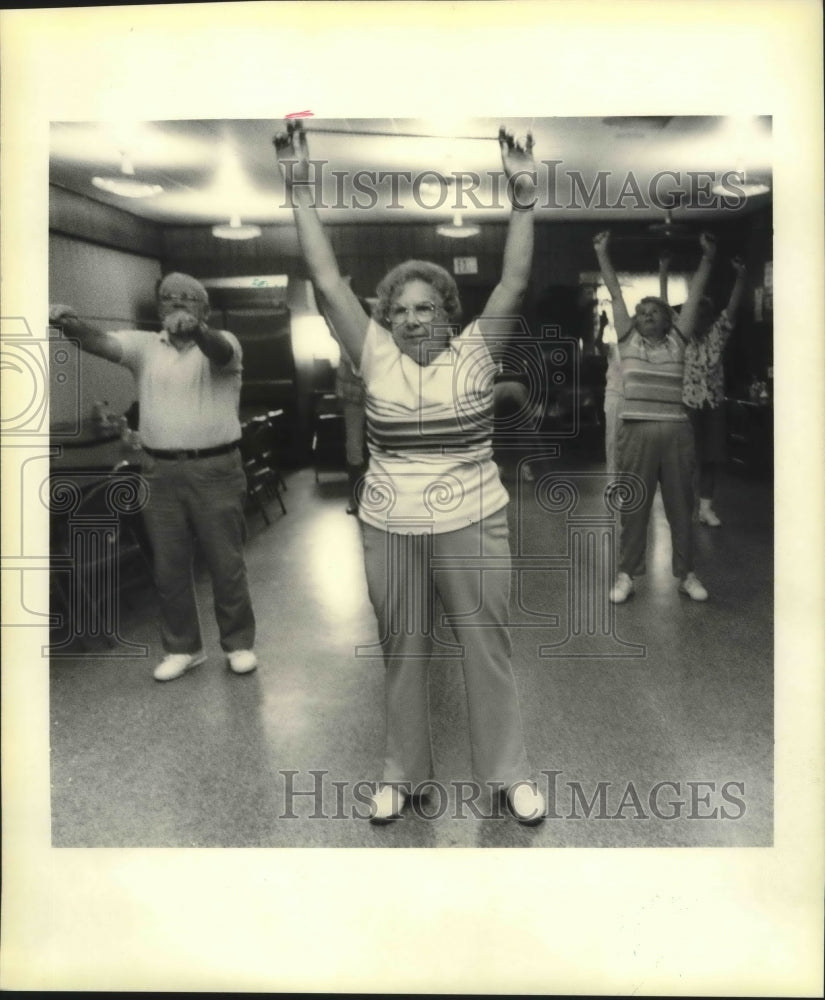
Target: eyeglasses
column 424, row 312
column 182, row 297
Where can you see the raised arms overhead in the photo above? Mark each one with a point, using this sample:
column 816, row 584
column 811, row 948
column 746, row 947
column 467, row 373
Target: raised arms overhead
column 621, row 317
column 520, row 169
column 344, row 309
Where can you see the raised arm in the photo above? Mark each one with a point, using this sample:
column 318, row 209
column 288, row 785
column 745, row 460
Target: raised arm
column 520, row 170
column 664, row 267
column 213, row 344
column 738, row 289
column 92, row 339
column 690, row 310
column 323, row 309
column 621, row 318
column 344, row 309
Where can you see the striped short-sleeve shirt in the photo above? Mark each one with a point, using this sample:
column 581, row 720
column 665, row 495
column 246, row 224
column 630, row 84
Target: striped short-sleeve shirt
column 429, row 431
column 652, row 376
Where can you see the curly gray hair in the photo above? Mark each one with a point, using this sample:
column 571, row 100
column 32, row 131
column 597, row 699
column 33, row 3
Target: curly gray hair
column 665, row 307
column 418, row 270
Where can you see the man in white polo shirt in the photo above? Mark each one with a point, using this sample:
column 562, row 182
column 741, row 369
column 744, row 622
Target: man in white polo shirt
column 189, row 381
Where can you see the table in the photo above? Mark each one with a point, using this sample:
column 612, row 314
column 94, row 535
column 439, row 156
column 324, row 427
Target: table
column 92, row 447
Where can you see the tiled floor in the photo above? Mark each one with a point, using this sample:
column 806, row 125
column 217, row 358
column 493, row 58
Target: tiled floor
column 650, row 724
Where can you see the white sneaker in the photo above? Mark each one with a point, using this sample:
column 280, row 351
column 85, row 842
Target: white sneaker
column 693, row 588
column 526, row 802
column 175, row 665
column 387, row 803
column 621, row 589
column 242, row 661
column 707, row 516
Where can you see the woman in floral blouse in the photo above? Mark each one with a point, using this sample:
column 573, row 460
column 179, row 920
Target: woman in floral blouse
column 703, row 391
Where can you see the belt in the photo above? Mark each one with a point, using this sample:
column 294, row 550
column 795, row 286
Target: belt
column 221, row 449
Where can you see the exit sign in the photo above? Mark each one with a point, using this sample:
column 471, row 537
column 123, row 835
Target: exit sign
column 465, row 265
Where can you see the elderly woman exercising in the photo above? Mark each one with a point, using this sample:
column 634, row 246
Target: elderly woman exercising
column 655, row 440
column 432, row 511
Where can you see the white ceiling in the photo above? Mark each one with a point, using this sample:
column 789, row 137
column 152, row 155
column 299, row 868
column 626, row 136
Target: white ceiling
column 211, row 169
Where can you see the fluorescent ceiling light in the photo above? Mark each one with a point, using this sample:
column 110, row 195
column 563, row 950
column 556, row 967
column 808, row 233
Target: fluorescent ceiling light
column 739, row 184
column 457, row 229
column 751, row 188
column 125, row 184
column 126, row 187
column 236, row 230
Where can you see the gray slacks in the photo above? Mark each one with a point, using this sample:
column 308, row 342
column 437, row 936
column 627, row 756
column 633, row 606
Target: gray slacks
column 199, row 501
column 658, row 452
column 403, row 585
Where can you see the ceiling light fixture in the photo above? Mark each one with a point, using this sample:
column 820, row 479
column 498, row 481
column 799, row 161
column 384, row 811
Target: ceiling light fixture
column 457, row 229
column 125, row 184
column 236, row 230
column 737, row 183
column 668, row 228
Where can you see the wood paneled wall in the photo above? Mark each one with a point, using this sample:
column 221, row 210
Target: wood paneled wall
column 86, row 219
column 115, row 290
column 563, row 250
column 367, row 250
